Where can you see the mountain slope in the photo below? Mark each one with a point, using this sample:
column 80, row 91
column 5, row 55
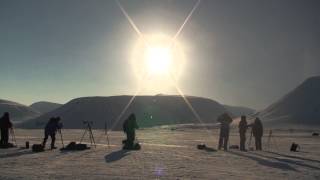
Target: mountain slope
column 237, row 111
column 300, row 106
column 150, row 111
column 44, row 106
column 18, row 112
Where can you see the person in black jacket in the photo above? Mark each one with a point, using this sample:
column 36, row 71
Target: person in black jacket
column 5, row 125
column 257, row 132
column 129, row 127
column 50, row 130
column 243, row 126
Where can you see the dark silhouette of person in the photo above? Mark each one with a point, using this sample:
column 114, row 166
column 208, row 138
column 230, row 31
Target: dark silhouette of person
column 129, row 127
column 257, row 132
column 243, row 126
column 51, row 128
column 225, row 121
column 5, row 125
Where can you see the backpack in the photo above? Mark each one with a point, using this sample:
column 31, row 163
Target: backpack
column 37, row 148
column 73, row 146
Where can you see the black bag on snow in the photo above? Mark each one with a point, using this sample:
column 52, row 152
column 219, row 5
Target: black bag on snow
column 37, row 148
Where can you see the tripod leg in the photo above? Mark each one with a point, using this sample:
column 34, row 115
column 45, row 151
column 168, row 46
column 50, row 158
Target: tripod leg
column 250, row 139
column 108, row 140
column 61, row 138
column 92, row 138
column 106, row 133
column 13, row 137
column 85, row 131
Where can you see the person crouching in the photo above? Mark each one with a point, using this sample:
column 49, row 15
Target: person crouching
column 129, row 127
column 51, row 128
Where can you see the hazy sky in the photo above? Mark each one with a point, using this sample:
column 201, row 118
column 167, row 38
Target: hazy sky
column 238, row 52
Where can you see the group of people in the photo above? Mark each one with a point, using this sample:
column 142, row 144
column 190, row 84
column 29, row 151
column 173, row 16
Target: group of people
column 130, row 125
column 5, row 126
column 257, row 132
column 51, row 128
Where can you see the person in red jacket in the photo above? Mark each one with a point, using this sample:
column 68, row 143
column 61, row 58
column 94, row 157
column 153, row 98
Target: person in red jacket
column 5, row 125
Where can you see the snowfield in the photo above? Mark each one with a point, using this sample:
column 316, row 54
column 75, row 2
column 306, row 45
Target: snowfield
column 166, row 154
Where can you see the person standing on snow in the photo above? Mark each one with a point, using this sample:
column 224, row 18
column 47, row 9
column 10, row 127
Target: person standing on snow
column 225, row 121
column 243, row 126
column 5, row 125
column 50, row 130
column 257, row 132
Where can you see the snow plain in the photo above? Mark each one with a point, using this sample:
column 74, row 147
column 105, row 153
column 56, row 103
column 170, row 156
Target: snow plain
column 167, row 153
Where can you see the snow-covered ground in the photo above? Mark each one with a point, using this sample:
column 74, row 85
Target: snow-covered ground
column 166, row 154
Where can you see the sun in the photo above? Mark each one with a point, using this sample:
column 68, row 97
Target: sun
column 158, row 60
column 155, row 58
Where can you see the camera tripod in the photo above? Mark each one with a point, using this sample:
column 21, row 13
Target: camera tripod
column 271, row 141
column 88, row 129
column 13, row 136
column 250, row 139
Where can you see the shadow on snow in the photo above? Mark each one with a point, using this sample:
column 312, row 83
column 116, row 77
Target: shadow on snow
column 266, row 162
column 116, row 155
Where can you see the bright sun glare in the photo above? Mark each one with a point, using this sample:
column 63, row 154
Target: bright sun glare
column 158, row 60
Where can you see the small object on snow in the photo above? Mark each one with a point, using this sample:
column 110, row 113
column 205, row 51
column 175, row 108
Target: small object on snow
column 73, row 146
column 173, row 129
column 37, row 148
column 27, row 144
column 233, row 147
column 204, row 147
column 294, row 147
column 201, row 146
column 315, row 134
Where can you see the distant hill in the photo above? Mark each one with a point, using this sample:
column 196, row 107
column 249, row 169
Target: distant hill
column 150, row 111
column 237, row 111
column 44, row 106
column 18, row 112
column 301, row 106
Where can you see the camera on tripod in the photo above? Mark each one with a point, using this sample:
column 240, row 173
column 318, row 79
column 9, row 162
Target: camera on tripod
column 87, row 122
column 88, row 129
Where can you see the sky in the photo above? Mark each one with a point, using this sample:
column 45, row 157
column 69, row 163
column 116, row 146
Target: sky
column 238, row 52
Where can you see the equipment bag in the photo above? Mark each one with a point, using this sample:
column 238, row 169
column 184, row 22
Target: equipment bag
column 73, row 146
column 294, row 147
column 37, row 148
column 81, row 147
